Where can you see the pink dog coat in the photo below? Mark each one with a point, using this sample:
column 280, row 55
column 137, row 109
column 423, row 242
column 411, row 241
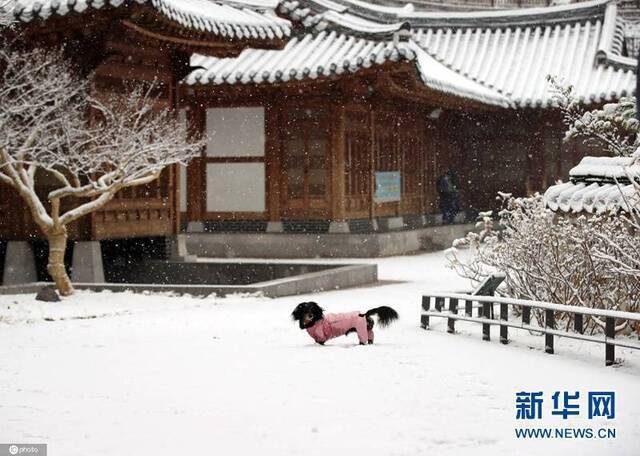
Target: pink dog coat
column 336, row 325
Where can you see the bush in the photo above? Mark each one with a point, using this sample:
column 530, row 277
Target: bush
column 589, row 261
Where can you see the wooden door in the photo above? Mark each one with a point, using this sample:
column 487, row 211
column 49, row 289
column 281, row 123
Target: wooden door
column 305, row 163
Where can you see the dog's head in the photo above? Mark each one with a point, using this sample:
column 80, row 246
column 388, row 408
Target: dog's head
column 307, row 314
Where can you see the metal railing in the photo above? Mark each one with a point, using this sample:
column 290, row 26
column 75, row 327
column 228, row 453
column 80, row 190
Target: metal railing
column 447, row 305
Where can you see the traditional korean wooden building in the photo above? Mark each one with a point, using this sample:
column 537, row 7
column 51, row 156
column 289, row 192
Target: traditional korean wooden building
column 334, row 116
column 125, row 42
column 362, row 91
column 121, row 43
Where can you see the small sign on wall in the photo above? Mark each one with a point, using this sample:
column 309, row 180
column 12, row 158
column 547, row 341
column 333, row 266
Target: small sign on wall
column 388, row 186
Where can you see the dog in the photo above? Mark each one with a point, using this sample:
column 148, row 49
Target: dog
column 323, row 327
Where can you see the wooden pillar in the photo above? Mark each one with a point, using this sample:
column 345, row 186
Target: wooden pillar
column 486, row 327
column 173, row 173
column 549, row 323
column 453, row 308
column 578, row 323
column 422, row 150
column 174, row 196
column 196, row 177
column 526, row 315
column 504, row 330
column 468, row 307
column 610, row 334
column 337, row 163
column 372, row 161
column 272, row 152
column 426, row 305
column 399, row 138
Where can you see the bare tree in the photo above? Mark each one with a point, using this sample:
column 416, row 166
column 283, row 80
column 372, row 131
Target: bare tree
column 51, row 126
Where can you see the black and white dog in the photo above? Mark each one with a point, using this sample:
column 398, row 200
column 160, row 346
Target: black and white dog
column 323, row 327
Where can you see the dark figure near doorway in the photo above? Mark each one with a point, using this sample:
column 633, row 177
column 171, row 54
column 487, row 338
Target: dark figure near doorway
column 449, row 196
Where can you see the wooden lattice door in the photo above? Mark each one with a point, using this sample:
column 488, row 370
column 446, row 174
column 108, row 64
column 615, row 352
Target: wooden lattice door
column 305, row 171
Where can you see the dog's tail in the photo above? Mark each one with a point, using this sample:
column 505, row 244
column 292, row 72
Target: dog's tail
column 386, row 315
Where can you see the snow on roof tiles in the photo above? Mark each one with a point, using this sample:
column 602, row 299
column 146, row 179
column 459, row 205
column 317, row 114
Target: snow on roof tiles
column 330, row 53
column 497, row 57
column 516, row 62
column 508, row 53
column 591, row 198
column 598, row 185
column 441, row 78
column 322, row 14
column 232, row 19
column 605, row 168
column 308, row 56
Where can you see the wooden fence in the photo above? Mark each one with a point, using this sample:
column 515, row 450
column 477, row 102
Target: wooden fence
column 448, row 305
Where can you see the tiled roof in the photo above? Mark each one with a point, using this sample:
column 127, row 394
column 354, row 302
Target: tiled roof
column 605, row 169
column 237, row 19
column 591, row 198
column 443, row 79
column 318, row 15
column 495, row 57
column 307, row 56
column 509, row 53
column 597, row 185
column 328, row 53
column 516, row 62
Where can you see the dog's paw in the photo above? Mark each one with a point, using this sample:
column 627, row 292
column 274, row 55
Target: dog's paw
column 370, row 342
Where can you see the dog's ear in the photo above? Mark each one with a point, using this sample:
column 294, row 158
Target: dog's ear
column 297, row 312
column 316, row 309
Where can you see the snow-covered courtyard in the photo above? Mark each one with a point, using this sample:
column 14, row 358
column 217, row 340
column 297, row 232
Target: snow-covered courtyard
column 125, row 374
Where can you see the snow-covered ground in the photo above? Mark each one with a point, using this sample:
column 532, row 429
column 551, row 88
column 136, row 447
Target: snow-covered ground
column 162, row 375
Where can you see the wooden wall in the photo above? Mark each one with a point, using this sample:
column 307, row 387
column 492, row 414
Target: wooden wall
column 321, row 155
column 381, row 137
column 136, row 212
column 518, row 152
column 16, row 222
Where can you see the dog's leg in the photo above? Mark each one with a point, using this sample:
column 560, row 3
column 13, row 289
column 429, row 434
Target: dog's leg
column 362, row 330
column 370, row 329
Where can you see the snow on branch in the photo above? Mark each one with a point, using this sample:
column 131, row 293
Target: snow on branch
column 6, row 12
column 51, row 124
column 614, row 126
column 85, row 145
column 590, row 261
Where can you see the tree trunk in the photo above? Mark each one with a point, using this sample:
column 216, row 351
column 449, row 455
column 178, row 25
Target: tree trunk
column 57, row 238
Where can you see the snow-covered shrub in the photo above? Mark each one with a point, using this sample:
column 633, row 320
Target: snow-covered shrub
column 583, row 260
column 590, row 261
column 614, row 126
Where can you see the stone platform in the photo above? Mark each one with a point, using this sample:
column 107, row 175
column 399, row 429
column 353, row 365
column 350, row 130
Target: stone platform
column 323, row 245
